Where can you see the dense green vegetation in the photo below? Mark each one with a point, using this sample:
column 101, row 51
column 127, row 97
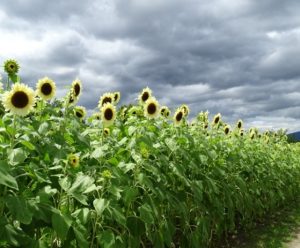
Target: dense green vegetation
column 68, row 181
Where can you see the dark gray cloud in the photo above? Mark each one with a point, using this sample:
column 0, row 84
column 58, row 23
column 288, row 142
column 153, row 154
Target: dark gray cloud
column 240, row 58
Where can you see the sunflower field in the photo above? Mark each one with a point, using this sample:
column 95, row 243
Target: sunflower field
column 131, row 176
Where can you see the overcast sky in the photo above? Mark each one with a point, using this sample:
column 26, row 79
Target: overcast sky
column 237, row 57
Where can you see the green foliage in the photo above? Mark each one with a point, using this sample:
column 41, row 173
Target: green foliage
column 147, row 183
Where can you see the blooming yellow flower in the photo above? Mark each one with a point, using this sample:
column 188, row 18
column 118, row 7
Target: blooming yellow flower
column 46, row 88
column 165, row 111
column 96, row 116
column 216, row 119
column 151, row 108
column 106, row 131
column 145, row 95
column 178, row 116
column 226, row 129
column 80, row 112
column 239, row 124
column 19, row 100
column 117, row 97
column 185, row 109
column 108, row 114
column 106, row 98
column 76, row 88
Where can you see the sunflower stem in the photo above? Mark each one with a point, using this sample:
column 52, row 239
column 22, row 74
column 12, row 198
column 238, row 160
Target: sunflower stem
column 14, row 132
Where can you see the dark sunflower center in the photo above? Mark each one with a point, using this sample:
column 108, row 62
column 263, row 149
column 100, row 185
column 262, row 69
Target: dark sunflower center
column 77, row 89
column 116, row 97
column 239, row 125
column 205, row 126
column 108, row 114
column 162, row 111
column 179, row 116
column 217, row 119
column 98, row 117
column 242, row 133
column 151, row 109
column 46, row 89
column 20, row 99
column 133, row 112
column 106, row 100
column 105, row 131
column 79, row 114
column 145, row 96
column 167, row 114
column 226, row 130
column 74, row 160
column 12, row 66
column 71, row 99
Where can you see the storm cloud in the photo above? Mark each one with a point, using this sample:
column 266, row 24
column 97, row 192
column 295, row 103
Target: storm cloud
column 239, row 58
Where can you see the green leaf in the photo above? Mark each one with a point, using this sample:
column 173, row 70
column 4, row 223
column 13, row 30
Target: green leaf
column 135, row 226
column 5, row 178
column 17, row 156
column 146, row 214
column 19, row 208
column 43, row 128
column 107, row 239
column 61, row 224
column 100, row 205
column 28, row 144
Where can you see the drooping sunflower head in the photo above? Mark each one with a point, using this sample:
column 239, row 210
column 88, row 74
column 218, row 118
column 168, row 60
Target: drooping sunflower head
column 217, row 119
column 145, row 95
column 106, row 98
column 239, row 124
column 151, row 108
column 117, row 97
column 108, row 114
column 45, row 88
column 186, row 109
column 165, row 111
column 178, row 116
column 19, row 100
column 73, row 160
column 76, row 88
column 11, row 66
column 226, row 129
column 106, row 131
column 80, row 112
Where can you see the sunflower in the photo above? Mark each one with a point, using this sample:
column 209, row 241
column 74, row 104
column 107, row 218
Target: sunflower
column 106, row 98
column 241, row 132
column 19, row 100
column 80, row 112
column 106, row 131
column 96, row 116
column 216, row 119
column 205, row 125
column 76, row 88
column 135, row 111
column 145, row 95
column 165, row 111
column 46, row 88
column 185, row 108
column 108, row 114
column 151, row 108
column 11, row 67
column 226, row 129
column 239, row 124
column 117, row 97
column 178, row 116
column 73, row 160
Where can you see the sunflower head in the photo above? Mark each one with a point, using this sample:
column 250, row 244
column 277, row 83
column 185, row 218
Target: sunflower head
column 241, row 132
column 11, row 67
column 252, row 134
column 151, row 108
column 135, row 111
column 45, row 88
column 76, row 88
column 145, row 95
column 73, row 160
column 106, row 98
column 239, row 124
column 117, row 97
column 217, row 119
column 106, row 131
column 96, row 116
column 20, row 100
column 185, row 109
column 80, row 112
column 178, row 116
column 205, row 125
column 165, row 111
column 108, row 114
column 226, row 129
